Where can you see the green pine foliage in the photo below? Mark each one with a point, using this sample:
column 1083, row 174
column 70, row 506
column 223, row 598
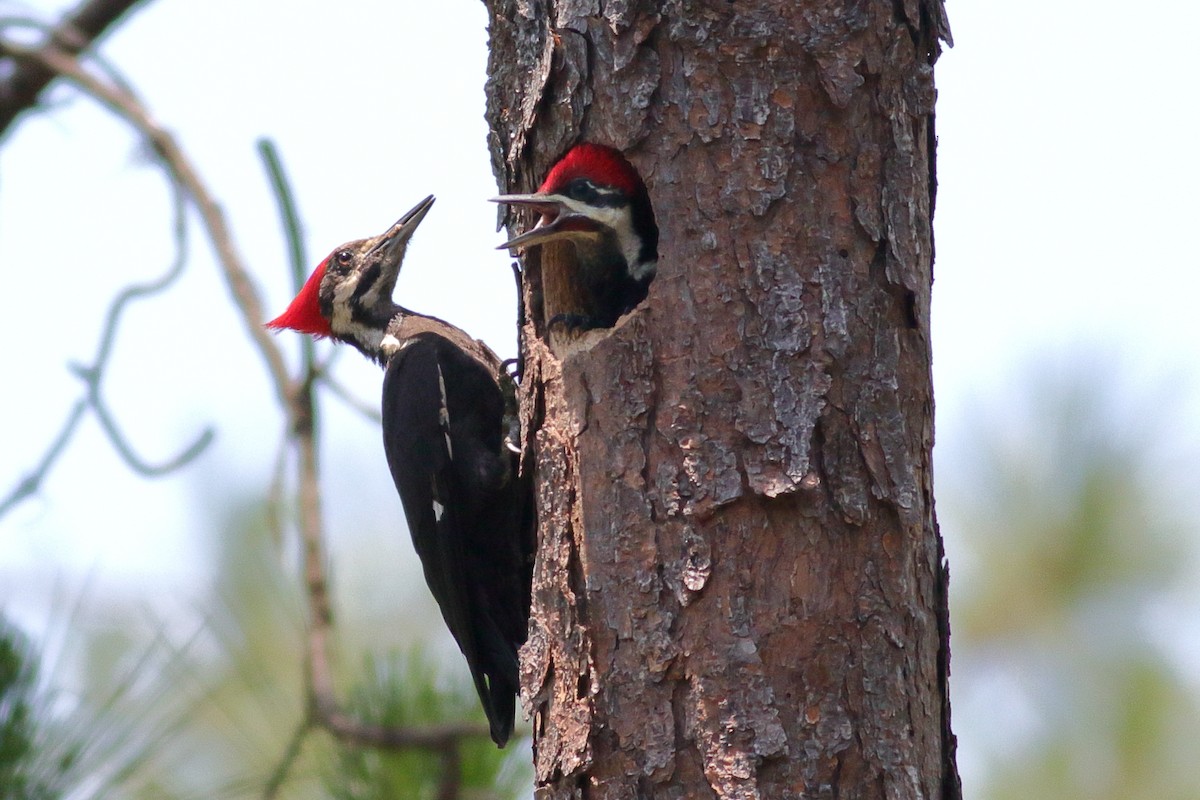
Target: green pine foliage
column 406, row 690
column 179, row 704
column 23, row 775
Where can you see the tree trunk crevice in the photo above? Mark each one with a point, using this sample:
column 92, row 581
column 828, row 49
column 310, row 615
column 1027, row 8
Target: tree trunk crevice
column 740, row 590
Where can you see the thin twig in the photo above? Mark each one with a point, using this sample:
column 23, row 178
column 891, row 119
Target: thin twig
column 91, row 379
column 20, row 89
column 451, row 772
column 297, row 400
column 275, row 492
column 324, row 372
column 93, row 375
column 111, row 72
column 302, row 414
column 290, row 754
column 429, row 737
column 237, row 279
column 29, row 485
column 290, row 218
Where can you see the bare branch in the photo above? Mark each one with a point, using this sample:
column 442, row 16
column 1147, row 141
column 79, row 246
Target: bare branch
column 29, row 485
column 290, row 217
column 275, row 492
column 237, row 279
column 290, row 754
column 92, row 376
column 19, row 91
column 296, row 397
column 288, row 214
column 324, row 374
column 451, row 774
column 432, row 737
column 324, row 708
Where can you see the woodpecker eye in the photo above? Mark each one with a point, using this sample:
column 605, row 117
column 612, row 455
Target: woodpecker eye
column 344, row 257
column 582, row 189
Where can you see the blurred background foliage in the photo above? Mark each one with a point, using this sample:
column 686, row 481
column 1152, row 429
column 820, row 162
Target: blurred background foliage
column 1069, row 509
column 1067, row 495
column 1069, row 513
column 130, row 708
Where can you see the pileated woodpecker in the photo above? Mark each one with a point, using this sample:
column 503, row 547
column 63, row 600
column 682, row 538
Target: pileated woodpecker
column 448, row 418
column 595, row 199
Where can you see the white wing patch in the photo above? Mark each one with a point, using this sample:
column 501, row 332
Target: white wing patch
column 444, row 413
column 438, row 510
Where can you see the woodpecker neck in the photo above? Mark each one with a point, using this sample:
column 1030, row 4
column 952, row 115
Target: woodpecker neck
column 368, row 328
column 615, row 249
column 379, row 342
column 408, row 325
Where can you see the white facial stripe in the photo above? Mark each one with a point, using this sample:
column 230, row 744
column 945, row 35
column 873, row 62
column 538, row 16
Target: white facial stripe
column 620, row 220
column 345, row 326
column 343, row 321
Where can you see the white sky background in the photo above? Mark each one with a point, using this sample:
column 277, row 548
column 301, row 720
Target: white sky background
column 1066, row 216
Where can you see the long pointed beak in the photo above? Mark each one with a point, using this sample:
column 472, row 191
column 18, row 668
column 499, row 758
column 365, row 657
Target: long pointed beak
column 557, row 221
column 390, row 247
column 392, row 243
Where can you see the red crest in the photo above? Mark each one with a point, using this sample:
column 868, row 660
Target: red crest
column 304, row 313
column 598, row 163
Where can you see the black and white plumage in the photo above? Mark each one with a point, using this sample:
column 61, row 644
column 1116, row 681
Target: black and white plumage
column 449, row 410
column 594, row 199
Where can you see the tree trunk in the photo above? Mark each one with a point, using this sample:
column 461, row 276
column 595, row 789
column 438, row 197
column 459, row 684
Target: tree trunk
column 739, row 590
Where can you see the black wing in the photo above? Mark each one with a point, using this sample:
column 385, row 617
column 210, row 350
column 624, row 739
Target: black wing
column 443, row 419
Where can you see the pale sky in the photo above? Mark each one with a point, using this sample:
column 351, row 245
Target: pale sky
column 1066, row 215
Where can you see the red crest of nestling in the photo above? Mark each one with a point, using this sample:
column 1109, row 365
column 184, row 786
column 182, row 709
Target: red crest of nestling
column 304, row 313
column 599, row 164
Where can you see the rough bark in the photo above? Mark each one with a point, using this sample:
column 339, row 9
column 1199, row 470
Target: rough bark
column 740, row 589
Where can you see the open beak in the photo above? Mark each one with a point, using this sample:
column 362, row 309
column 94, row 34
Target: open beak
column 558, row 219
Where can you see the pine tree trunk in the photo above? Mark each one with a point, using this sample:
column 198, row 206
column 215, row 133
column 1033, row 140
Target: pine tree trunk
column 739, row 590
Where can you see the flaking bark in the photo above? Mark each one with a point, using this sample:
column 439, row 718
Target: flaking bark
column 739, row 590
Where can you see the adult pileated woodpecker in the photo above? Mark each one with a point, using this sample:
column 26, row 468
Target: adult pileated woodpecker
column 448, row 415
column 595, row 199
